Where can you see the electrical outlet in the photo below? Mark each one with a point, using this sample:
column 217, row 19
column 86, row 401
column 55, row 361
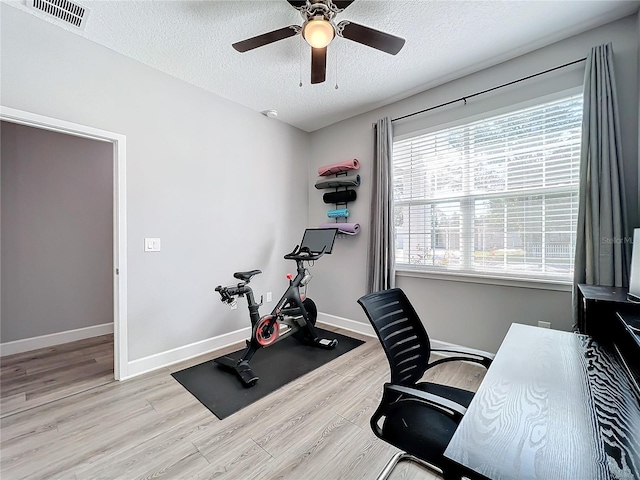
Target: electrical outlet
column 542, row 324
column 269, row 297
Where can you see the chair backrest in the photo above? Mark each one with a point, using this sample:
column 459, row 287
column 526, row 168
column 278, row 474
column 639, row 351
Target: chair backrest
column 403, row 337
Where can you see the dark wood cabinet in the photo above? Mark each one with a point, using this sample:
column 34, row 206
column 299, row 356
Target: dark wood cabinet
column 597, row 308
column 627, row 346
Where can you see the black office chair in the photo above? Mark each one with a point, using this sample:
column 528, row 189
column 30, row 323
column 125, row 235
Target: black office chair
column 417, row 417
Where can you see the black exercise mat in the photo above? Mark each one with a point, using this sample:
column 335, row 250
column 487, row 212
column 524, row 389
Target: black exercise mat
column 343, row 196
column 222, row 392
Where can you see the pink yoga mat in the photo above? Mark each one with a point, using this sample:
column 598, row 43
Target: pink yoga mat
column 339, row 167
column 346, row 228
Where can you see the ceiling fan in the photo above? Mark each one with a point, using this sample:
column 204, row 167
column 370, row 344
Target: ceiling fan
column 319, row 29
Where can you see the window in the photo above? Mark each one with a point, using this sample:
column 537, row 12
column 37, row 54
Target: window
column 497, row 196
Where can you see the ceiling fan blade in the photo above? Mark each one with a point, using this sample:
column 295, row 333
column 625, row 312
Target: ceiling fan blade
column 342, row 4
column 297, row 4
column 266, row 38
column 318, row 65
column 368, row 36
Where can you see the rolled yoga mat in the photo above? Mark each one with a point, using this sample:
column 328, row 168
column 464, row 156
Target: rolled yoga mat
column 334, row 168
column 343, row 196
column 338, row 213
column 346, row 181
column 346, row 228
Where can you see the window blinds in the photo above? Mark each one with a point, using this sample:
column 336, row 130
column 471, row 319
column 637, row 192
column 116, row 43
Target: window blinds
column 496, row 196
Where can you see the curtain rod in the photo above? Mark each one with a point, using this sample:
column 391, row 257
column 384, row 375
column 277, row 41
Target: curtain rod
column 464, row 99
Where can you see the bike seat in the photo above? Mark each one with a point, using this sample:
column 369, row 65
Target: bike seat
column 246, row 276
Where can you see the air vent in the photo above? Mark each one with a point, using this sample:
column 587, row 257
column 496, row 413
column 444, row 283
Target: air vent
column 67, row 11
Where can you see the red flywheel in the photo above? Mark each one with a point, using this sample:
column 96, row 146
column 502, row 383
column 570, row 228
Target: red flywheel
column 267, row 330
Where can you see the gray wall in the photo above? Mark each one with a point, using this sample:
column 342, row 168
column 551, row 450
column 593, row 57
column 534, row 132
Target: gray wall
column 218, row 183
column 472, row 314
column 57, row 232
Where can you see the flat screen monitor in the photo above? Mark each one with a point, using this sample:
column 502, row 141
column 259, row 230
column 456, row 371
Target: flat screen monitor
column 634, row 275
column 315, row 239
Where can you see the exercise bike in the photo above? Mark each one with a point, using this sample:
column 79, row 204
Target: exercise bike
column 294, row 310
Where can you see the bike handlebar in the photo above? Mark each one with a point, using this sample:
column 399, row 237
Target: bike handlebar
column 227, row 293
column 303, row 254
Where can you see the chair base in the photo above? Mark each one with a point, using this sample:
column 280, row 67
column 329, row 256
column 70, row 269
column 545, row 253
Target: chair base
column 400, row 456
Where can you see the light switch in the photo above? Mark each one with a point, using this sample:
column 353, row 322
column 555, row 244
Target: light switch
column 151, row 244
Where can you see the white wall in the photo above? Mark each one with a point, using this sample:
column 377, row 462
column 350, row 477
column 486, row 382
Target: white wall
column 57, row 232
column 472, row 314
column 218, row 183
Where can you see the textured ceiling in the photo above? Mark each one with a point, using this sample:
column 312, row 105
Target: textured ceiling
column 191, row 40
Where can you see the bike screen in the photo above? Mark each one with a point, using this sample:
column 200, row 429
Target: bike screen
column 315, row 239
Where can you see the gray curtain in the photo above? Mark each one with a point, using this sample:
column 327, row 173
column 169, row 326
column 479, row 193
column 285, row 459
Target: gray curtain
column 381, row 258
column 601, row 246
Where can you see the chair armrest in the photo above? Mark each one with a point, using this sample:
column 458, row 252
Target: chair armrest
column 445, row 405
column 466, row 354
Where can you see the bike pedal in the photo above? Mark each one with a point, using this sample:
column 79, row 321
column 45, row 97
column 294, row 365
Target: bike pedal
column 326, row 343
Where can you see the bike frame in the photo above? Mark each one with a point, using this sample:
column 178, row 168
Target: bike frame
column 292, row 295
column 280, row 313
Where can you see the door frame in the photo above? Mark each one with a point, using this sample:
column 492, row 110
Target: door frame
column 120, row 353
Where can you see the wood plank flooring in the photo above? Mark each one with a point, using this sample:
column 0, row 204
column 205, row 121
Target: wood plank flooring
column 316, row 427
column 41, row 376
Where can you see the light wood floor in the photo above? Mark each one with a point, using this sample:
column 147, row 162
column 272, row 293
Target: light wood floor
column 316, row 427
column 41, row 376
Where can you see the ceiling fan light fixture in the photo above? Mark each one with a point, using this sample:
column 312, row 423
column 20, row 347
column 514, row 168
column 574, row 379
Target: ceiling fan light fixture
column 318, row 32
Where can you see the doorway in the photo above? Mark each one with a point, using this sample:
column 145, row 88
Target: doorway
column 119, row 273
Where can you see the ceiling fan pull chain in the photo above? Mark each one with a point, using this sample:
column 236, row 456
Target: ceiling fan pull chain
column 300, row 60
column 336, row 55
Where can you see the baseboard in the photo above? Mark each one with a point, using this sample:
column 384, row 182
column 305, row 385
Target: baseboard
column 441, row 344
column 365, row 329
column 346, row 324
column 180, row 354
column 44, row 341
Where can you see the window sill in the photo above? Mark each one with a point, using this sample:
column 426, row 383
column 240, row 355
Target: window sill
column 557, row 285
